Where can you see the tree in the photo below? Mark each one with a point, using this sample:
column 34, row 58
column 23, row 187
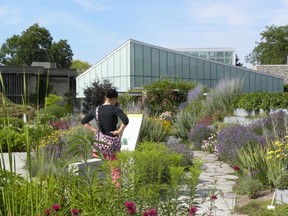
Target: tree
column 61, row 53
column 80, row 66
column 273, row 48
column 94, row 95
column 237, row 62
column 35, row 44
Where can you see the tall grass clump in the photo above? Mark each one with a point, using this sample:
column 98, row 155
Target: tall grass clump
column 154, row 129
column 221, row 97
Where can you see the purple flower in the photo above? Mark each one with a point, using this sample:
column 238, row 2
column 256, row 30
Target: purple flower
column 192, row 211
column 75, row 212
column 48, row 212
column 199, row 133
column 236, row 168
column 131, row 208
column 213, row 197
column 56, row 207
column 150, row 212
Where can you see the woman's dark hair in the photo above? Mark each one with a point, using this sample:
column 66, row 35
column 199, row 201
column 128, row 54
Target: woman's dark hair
column 111, row 93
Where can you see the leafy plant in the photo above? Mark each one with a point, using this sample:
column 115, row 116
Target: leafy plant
column 282, row 182
column 154, row 129
column 253, row 163
column 182, row 124
column 233, row 138
column 221, row 97
column 250, row 187
column 163, row 95
column 94, row 95
column 199, row 133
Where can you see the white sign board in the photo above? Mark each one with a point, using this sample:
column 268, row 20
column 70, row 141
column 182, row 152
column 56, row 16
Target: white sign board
column 131, row 133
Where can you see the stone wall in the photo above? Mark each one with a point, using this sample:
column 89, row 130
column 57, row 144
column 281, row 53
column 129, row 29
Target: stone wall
column 279, row 70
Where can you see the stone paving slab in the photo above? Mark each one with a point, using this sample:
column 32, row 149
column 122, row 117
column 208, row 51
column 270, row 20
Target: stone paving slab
column 219, row 177
column 18, row 162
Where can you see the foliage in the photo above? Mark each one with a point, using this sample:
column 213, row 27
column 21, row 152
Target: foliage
column 210, row 143
column 8, row 108
column 182, row 124
column 282, row 182
column 273, row 47
column 80, row 66
column 151, row 162
column 253, row 163
column 221, row 97
column 94, row 95
column 199, row 133
column 175, row 145
column 233, row 138
column 154, row 130
column 163, row 95
column 286, row 88
column 250, row 187
column 16, row 138
column 259, row 208
column 279, row 151
column 261, row 100
column 59, row 148
column 195, row 94
column 35, row 44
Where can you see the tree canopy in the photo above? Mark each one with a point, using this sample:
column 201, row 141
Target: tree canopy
column 273, row 48
column 80, row 66
column 35, row 44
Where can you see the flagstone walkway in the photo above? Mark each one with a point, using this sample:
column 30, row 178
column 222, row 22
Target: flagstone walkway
column 217, row 178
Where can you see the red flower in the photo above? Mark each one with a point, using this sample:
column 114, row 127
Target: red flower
column 192, row 211
column 213, row 197
column 56, row 207
column 150, row 212
column 47, row 212
column 75, row 212
column 236, row 168
column 131, row 208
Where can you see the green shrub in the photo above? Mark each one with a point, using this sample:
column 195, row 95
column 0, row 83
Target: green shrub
column 221, row 97
column 250, row 187
column 154, row 129
column 184, row 121
column 13, row 138
column 14, row 121
column 282, row 182
column 261, row 100
column 252, row 160
column 151, row 161
column 94, row 95
column 166, row 95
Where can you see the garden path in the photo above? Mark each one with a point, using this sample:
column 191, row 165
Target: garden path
column 217, row 178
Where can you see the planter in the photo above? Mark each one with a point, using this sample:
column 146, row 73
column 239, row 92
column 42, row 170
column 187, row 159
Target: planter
column 281, row 196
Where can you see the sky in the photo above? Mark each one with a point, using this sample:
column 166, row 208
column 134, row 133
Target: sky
column 94, row 28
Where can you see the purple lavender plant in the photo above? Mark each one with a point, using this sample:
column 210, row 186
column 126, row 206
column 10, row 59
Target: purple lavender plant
column 199, row 133
column 195, row 93
column 232, row 138
column 175, row 145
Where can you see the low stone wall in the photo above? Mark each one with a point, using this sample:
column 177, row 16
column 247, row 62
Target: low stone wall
column 279, row 70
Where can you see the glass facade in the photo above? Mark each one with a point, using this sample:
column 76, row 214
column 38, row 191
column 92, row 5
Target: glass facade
column 136, row 64
column 223, row 55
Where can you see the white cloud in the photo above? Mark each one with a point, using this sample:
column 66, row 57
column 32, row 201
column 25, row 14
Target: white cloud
column 9, row 16
column 91, row 5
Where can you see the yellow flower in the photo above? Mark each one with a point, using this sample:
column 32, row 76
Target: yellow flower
column 278, row 150
column 270, row 152
column 278, row 156
column 277, row 143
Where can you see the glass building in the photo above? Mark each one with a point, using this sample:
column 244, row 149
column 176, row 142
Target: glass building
column 135, row 64
column 223, row 55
